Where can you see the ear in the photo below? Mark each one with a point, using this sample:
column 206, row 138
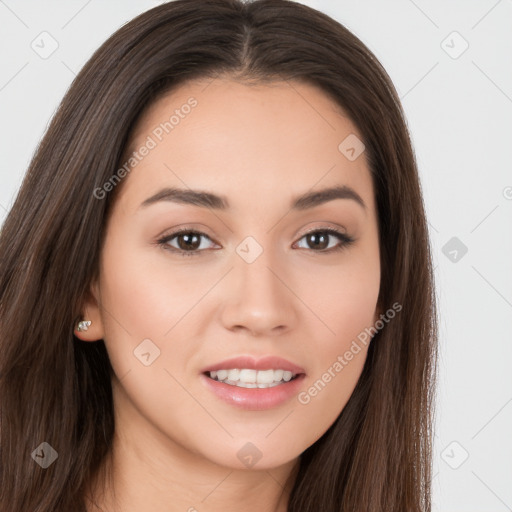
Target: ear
column 91, row 311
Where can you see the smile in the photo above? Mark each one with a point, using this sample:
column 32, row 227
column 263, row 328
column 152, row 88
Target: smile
column 248, row 378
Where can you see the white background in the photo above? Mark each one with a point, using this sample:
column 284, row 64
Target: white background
column 459, row 112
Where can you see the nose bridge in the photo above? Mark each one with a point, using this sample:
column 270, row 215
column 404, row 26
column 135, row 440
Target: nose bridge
column 257, row 298
column 257, row 273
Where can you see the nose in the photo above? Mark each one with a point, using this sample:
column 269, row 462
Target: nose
column 258, row 298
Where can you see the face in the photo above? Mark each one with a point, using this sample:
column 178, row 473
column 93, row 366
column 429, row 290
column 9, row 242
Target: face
column 281, row 284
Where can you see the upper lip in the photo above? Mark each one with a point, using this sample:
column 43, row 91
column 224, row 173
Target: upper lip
column 251, row 363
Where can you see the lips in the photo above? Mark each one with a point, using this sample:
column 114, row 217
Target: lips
column 250, row 363
column 255, row 396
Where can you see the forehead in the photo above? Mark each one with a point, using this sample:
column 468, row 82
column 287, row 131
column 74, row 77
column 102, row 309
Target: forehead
column 244, row 141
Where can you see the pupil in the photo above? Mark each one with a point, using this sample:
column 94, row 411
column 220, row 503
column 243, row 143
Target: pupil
column 187, row 245
column 317, row 244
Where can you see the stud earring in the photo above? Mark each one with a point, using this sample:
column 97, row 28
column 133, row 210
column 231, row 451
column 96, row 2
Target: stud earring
column 83, row 325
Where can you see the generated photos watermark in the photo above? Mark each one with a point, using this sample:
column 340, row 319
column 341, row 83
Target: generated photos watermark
column 157, row 135
column 304, row 397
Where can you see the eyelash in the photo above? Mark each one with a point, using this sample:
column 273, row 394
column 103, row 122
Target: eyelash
column 345, row 240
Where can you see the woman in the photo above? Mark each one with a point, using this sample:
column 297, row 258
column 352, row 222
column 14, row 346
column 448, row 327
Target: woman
column 287, row 363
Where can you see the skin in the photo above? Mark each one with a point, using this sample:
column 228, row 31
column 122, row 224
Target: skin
column 176, row 443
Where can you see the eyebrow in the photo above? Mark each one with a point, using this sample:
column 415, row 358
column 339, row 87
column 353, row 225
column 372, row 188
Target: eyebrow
column 207, row 199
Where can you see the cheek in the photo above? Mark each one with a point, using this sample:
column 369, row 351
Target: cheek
column 326, row 392
column 346, row 303
column 338, row 358
column 343, row 298
column 351, row 309
column 146, row 296
column 142, row 305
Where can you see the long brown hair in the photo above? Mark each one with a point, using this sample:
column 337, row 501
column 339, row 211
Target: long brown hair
column 56, row 389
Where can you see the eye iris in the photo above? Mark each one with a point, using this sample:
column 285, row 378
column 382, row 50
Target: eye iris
column 187, row 246
column 313, row 237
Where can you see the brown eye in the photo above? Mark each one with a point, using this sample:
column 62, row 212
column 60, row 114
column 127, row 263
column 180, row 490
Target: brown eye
column 320, row 239
column 188, row 242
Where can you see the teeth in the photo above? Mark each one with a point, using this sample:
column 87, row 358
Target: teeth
column 246, row 378
column 265, row 377
column 234, row 375
column 222, row 374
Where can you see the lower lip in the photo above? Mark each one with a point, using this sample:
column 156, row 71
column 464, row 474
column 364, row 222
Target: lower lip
column 254, row 399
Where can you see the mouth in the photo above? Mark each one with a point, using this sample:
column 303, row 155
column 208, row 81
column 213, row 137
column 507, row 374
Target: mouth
column 254, row 384
column 250, row 378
